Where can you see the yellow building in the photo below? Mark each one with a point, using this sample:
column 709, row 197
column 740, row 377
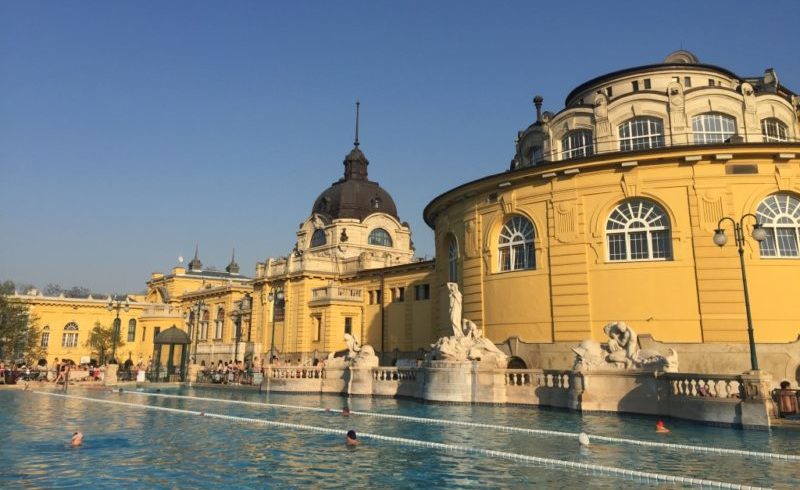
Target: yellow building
column 607, row 213
column 352, row 270
column 610, row 208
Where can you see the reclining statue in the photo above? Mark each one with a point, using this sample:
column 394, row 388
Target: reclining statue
column 621, row 351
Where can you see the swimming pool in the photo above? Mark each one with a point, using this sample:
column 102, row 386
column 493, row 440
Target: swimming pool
column 127, row 446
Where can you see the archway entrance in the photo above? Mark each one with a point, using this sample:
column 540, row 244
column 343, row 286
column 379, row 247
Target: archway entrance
column 516, row 363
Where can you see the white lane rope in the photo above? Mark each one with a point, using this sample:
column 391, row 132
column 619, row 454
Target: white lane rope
column 504, row 428
column 546, row 462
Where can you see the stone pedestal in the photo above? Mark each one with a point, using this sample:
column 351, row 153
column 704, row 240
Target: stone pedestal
column 192, row 372
column 360, row 381
column 488, row 383
column 110, row 376
column 448, row 381
column 757, row 404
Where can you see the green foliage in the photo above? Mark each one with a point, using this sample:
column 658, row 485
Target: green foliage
column 19, row 336
column 101, row 341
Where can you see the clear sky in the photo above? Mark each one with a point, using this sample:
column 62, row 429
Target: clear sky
column 131, row 130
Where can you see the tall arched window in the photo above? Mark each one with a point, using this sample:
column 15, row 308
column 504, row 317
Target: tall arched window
column 641, row 133
column 204, row 325
column 638, row 229
column 780, row 216
column 713, row 127
column 452, row 259
column 131, row 330
column 774, row 130
column 45, row 340
column 318, row 238
column 380, row 237
column 70, row 336
column 219, row 323
column 577, row 144
column 515, row 246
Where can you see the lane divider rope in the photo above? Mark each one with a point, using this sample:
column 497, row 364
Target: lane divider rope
column 504, row 428
column 546, row 462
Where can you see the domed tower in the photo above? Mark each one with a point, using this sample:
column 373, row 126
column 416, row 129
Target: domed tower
column 355, row 220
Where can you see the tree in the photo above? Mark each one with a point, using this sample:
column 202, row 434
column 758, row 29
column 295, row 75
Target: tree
column 101, row 341
column 19, row 337
column 77, row 292
column 52, row 290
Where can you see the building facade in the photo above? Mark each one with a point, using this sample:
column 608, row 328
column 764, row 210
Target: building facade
column 610, row 207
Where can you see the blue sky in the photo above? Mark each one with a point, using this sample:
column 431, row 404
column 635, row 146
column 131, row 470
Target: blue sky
column 129, row 131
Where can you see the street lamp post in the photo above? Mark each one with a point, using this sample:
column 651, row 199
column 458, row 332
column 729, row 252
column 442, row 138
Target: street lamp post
column 200, row 305
column 115, row 304
column 237, row 323
column 276, row 297
column 758, row 234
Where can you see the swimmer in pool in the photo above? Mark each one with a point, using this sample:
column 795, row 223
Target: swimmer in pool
column 660, row 428
column 77, row 439
column 345, row 412
column 351, row 439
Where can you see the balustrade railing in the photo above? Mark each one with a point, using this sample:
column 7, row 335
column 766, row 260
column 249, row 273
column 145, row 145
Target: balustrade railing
column 537, row 378
column 295, row 372
column 706, row 385
column 336, row 293
column 394, row 374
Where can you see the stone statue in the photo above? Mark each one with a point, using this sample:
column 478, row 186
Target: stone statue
column 621, row 351
column 467, row 342
column 353, row 345
column 455, row 309
column 358, row 355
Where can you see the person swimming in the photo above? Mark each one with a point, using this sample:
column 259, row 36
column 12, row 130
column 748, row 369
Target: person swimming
column 660, row 428
column 77, row 439
column 346, row 412
column 351, row 439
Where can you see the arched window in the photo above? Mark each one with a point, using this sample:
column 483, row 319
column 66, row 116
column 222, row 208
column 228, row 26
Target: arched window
column 641, row 133
column 638, row 230
column 131, row 330
column 515, row 246
column 219, row 323
column 45, row 340
column 70, row 336
column 774, row 130
column 452, row 259
column 318, row 238
column 713, row 127
column 780, row 216
column 577, row 144
column 380, row 237
column 204, row 325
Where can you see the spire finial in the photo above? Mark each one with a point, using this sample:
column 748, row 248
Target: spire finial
column 196, row 250
column 233, row 255
column 358, row 104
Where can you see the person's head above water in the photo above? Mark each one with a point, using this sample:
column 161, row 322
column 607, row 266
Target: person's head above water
column 351, row 439
column 77, row 439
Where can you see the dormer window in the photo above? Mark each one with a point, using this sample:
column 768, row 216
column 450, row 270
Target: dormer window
column 712, row 127
column 641, row 133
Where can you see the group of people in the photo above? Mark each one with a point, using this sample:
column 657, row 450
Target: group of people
column 232, row 372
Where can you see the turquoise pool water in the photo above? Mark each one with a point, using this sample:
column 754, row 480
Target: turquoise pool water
column 131, row 447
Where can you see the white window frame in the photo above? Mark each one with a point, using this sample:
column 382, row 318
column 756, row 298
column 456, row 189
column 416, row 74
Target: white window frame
column 779, row 214
column 641, row 133
column 774, row 130
column 517, row 236
column 629, row 220
column 711, row 128
column 45, row 340
column 218, row 324
column 577, row 144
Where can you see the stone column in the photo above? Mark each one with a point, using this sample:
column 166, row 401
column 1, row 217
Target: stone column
column 360, row 381
column 756, row 403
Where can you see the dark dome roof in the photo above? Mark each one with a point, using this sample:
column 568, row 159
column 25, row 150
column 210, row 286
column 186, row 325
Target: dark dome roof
column 354, row 196
column 172, row 335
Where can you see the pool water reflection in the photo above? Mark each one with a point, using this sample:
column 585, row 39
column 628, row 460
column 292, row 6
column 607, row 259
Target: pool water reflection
column 130, row 447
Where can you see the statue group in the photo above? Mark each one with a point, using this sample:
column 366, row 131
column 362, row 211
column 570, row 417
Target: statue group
column 621, row 351
column 467, row 342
